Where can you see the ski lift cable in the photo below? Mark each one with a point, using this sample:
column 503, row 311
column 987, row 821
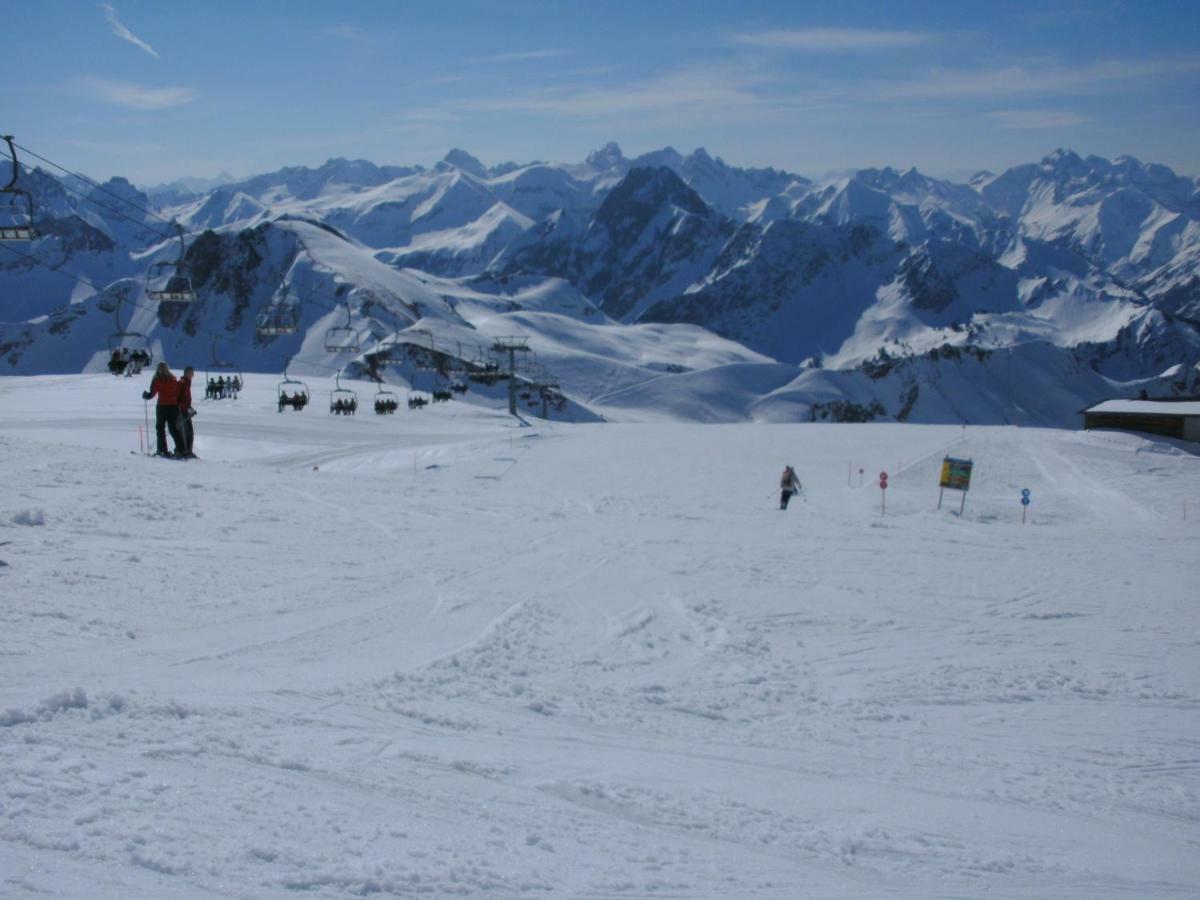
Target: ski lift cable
column 142, row 225
column 312, row 297
column 94, row 184
column 86, row 198
column 162, row 235
column 154, row 308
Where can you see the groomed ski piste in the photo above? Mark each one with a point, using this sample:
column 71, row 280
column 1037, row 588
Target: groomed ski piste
column 449, row 653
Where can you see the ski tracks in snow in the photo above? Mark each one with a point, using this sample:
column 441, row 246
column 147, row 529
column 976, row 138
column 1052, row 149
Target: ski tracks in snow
column 608, row 673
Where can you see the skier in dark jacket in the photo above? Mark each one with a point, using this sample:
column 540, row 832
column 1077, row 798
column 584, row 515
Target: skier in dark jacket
column 788, row 485
column 186, row 411
column 166, row 414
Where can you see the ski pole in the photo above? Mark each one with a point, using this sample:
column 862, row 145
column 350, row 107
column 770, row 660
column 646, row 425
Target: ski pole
column 146, row 409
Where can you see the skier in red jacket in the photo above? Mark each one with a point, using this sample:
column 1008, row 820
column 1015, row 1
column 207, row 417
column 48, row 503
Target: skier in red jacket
column 166, row 414
column 186, row 412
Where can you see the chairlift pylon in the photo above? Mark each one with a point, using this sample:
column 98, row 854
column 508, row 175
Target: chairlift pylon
column 169, row 279
column 16, row 205
column 342, row 339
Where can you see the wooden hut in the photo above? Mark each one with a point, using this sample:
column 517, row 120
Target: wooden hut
column 1170, row 418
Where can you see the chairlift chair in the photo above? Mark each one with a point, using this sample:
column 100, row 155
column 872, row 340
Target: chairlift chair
column 490, row 361
column 133, row 346
column 386, row 402
column 169, row 279
column 16, row 205
column 390, row 349
column 292, row 393
column 342, row 401
column 217, row 368
column 342, row 339
column 276, row 319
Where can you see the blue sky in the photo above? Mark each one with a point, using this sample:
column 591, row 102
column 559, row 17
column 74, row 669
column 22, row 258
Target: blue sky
column 157, row 90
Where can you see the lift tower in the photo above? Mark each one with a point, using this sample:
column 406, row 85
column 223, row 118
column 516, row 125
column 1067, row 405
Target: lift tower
column 512, row 346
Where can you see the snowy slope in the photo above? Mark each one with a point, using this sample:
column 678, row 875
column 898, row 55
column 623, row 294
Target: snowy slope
column 437, row 654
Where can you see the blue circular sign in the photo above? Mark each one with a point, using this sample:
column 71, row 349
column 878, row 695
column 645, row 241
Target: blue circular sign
column 1024, row 501
column 1024, row 492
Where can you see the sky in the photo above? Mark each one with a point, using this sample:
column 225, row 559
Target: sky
column 155, row 91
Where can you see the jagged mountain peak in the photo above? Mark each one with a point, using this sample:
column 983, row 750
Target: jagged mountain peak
column 607, row 158
column 350, row 171
column 1062, row 156
column 647, row 187
column 888, row 178
column 123, row 188
column 667, row 156
column 1069, row 168
column 461, row 159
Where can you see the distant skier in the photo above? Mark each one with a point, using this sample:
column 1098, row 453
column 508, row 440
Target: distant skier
column 166, row 414
column 788, row 485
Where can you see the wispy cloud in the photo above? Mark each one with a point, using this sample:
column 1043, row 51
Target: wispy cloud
column 134, row 96
column 520, row 56
column 124, row 33
column 1035, row 119
column 444, row 79
column 119, row 148
column 709, row 89
column 350, row 33
column 831, row 39
column 1037, row 79
column 423, row 115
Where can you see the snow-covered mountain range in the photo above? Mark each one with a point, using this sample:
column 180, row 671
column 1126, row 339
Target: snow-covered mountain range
column 663, row 285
